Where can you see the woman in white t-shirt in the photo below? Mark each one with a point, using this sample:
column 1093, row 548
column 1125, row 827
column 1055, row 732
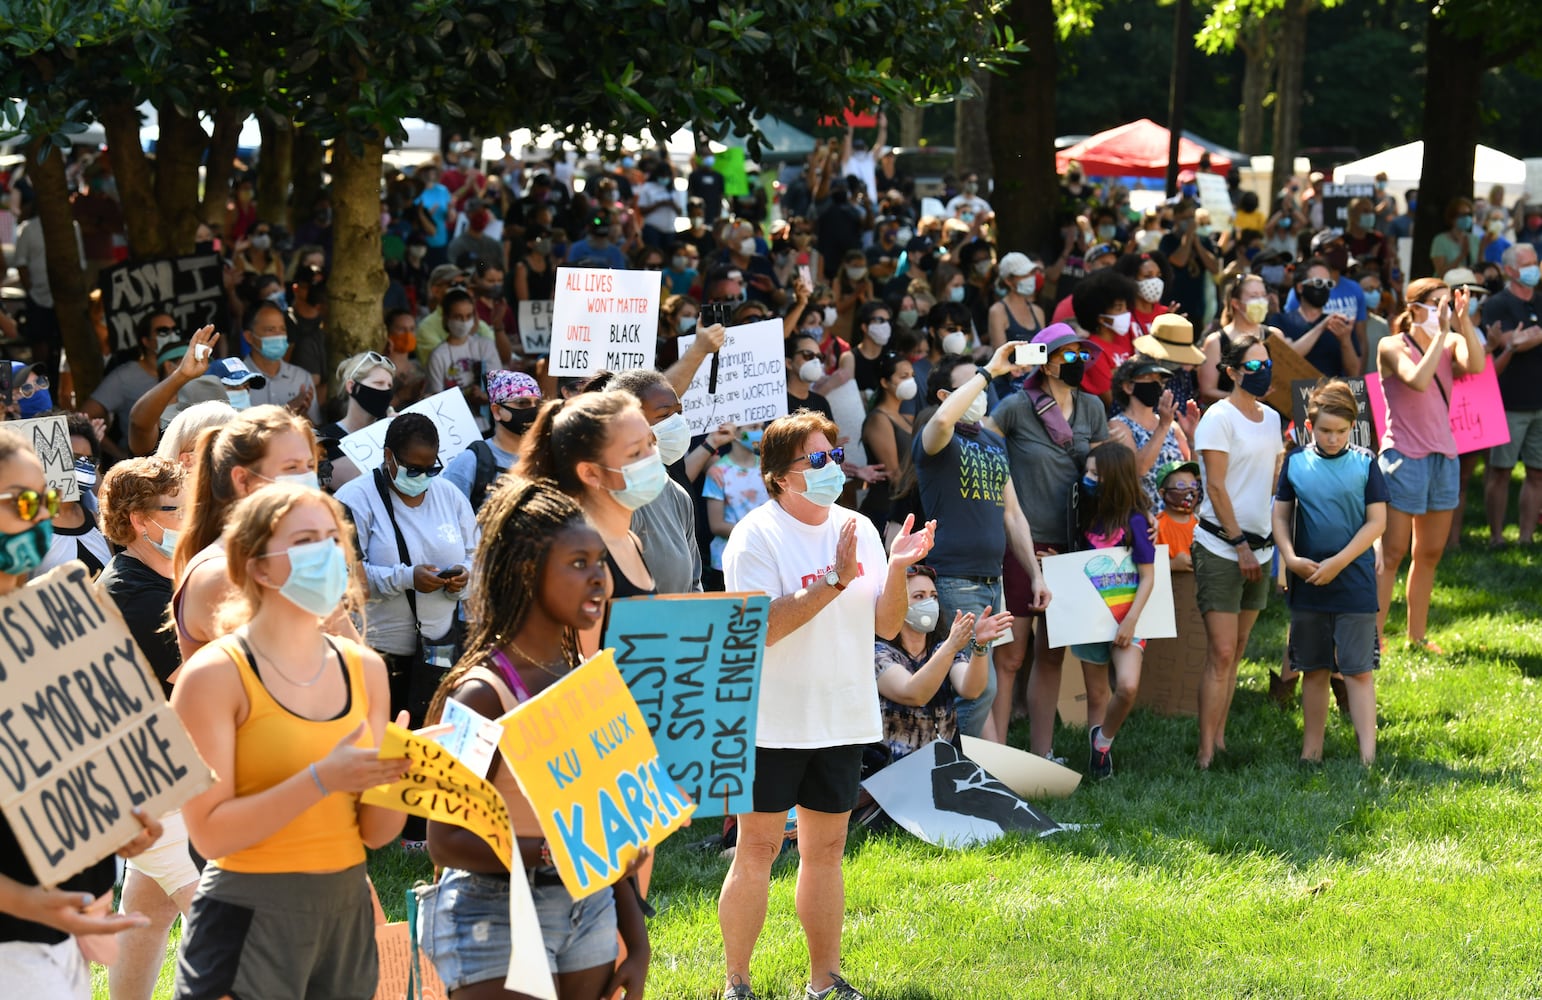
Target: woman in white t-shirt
column 1239, row 442
column 819, row 563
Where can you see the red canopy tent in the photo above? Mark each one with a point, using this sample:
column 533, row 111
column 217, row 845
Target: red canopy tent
column 1138, row 149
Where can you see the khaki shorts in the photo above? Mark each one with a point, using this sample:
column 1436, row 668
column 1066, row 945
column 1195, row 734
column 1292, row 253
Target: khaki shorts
column 1219, row 586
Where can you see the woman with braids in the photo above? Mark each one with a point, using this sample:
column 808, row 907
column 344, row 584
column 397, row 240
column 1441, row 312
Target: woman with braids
column 540, row 580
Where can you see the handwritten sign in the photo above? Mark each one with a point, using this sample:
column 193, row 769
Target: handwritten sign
column 404, row 975
column 441, row 788
column 751, row 379
column 85, row 733
column 604, row 319
column 1094, row 591
column 50, row 438
column 450, row 414
column 583, row 757
column 535, row 326
column 191, row 289
column 1361, row 435
column 474, row 738
column 693, row 665
column 1336, row 199
column 1477, row 411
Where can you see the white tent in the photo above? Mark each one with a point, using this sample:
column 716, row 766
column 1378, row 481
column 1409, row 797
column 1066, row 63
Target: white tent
column 1404, row 164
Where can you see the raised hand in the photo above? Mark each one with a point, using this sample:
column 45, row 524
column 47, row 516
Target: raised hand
column 988, row 628
column 910, row 548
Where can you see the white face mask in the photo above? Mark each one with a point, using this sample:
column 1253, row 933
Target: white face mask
column 878, row 331
column 1150, row 289
column 1119, row 322
column 674, row 437
column 811, row 370
column 976, row 411
column 459, row 328
column 1028, row 286
column 830, row 316
column 956, row 342
column 856, row 273
column 906, row 390
column 747, row 246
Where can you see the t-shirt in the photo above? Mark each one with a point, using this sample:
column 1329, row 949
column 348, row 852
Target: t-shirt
column 1188, row 285
column 817, row 687
column 908, row 728
column 1331, row 494
column 814, row 402
column 1250, row 449
column 661, row 195
column 1099, row 377
column 309, row 339
column 609, row 253
column 435, row 199
column 465, row 365
column 462, row 470
column 740, row 488
column 707, row 184
column 1136, row 536
column 96, row 880
column 118, row 393
column 1178, row 536
column 862, row 164
column 86, row 543
column 142, row 595
column 1043, row 471
column 288, row 383
column 1326, row 355
column 1520, row 384
column 666, row 527
column 1445, row 247
column 963, row 487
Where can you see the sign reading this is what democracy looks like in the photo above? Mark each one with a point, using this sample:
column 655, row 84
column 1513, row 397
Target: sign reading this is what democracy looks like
column 85, row 733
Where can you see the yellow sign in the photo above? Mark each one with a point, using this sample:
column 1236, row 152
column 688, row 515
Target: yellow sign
column 583, row 757
column 439, row 787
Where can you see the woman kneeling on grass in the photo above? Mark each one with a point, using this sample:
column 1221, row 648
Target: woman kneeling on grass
column 288, row 718
column 1329, row 509
column 540, row 581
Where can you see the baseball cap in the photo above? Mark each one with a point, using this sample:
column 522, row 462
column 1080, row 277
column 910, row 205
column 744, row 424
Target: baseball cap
column 234, row 373
column 1463, row 277
column 445, row 272
column 1101, row 250
column 1016, row 265
column 1163, row 471
column 1325, row 237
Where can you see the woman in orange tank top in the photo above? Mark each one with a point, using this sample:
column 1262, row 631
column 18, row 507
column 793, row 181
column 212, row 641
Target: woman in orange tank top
column 287, row 717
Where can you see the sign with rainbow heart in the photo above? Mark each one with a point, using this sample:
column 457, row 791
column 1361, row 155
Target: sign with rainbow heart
column 1095, row 590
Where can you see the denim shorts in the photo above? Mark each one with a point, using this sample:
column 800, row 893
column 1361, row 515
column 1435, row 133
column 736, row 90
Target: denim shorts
column 464, row 927
column 1420, row 485
column 957, row 593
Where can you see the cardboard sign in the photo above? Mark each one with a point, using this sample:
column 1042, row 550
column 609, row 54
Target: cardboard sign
column 441, row 788
column 1216, row 199
column 751, row 379
column 1171, row 669
column 1071, row 703
column 583, row 757
column 1094, row 590
column 85, row 733
column 1336, row 199
column 450, row 414
column 604, row 319
column 1477, row 411
column 948, row 800
column 1361, row 435
column 1288, row 368
column 1027, row 774
column 191, row 289
column 402, row 970
column 50, row 438
column 535, row 326
column 693, row 665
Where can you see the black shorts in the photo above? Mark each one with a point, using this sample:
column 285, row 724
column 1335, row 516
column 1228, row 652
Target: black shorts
column 826, row 779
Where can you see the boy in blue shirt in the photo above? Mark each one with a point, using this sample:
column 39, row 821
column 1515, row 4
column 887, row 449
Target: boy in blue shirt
column 1329, row 510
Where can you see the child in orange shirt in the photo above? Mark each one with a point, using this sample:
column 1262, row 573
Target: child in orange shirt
column 1181, row 492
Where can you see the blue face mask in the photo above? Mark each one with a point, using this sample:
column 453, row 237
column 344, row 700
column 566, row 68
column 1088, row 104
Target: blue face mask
column 273, row 348
column 956, row 293
column 645, row 479
column 239, row 399
column 673, row 434
column 1530, row 275
column 1367, row 220
column 1464, row 223
column 823, row 486
column 318, row 576
column 1372, row 300
column 35, row 405
column 23, row 552
column 410, row 486
column 751, row 439
column 168, row 543
column 1089, row 485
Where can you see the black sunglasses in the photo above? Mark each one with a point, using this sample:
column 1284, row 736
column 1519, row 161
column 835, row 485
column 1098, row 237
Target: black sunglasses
column 817, row 460
column 420, row 470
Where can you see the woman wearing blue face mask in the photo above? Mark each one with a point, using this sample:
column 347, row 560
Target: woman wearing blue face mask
column 1458, row 245
column 417, row 534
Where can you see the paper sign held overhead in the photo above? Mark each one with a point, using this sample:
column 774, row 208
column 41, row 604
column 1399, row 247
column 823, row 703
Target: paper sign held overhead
column 190, row 289
column 604, row 319
column 85, row 733
column 50, row 438
column 535, row 326
column 450, row 414
column 693, row 666
column 1477, row 411
column 1094, row 591
column 751, row 379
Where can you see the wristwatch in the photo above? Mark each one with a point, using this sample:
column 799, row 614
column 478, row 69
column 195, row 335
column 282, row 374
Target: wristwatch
column 1234, row 542
column 835, row 581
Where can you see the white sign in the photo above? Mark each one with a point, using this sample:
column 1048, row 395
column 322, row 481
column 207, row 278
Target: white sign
column 474, row 738
column 50, row 438
column 1215, row 198
column 604, row 320
column 1095, row 589
column 948, row 800
column 535, row 326
column 751, row 379
column 448, row 411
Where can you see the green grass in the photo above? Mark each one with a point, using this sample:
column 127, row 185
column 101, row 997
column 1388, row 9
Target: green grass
column 1415, row 878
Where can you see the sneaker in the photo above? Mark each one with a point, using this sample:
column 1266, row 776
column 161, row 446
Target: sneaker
column 1055, row 760
column 1101, row 763
column 840, row 989
column 738, row 989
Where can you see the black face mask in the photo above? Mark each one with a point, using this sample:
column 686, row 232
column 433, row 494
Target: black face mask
column 1071, row 372
column 519, row 421
column 373, row 401
column 203, row 246
column 1149, row 393
column 1315, row 296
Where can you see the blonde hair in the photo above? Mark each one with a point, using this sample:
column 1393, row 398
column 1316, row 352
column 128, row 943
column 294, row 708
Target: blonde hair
column 185, row 427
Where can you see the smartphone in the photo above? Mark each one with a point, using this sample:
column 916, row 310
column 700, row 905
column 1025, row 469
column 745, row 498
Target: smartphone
column 1031, row 354
column 446, row 574
column 806, row 276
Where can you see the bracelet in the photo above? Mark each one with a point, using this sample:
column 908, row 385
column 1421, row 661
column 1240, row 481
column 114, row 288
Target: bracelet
column 985, row 373
column 316, row 777
column 978, row 648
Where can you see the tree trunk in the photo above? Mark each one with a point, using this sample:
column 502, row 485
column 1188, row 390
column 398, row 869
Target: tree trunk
column 910, row 120
column 178, row 154
column 1257, row 73
column 65, row 278
column 1287, row 90
column 221, row 166
column 305, row 179
column 1177, row 90
column 358, row 281
column 1452, row 113
column 275, row 161
column 136, row 181
column 971, row 135
column 1021, row 127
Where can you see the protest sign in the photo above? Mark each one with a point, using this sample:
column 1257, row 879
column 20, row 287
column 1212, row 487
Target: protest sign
column 603, row 319
column 472, row 739
column 404, row 973
column 50, row 438
column 1094, row 590
column 1288, row 368
column 1477, row 411
column 1336, row 199
column 693, row 665
column 535, row 326
column 190, row 289
column 441, row 788
column 751, row 379
column 450, row 414
column 583, row 757
column 1361, row 435
column 85, row 733
column 948, row 800
column 1027, row 774
column 1172, row 668
column 1216, row 199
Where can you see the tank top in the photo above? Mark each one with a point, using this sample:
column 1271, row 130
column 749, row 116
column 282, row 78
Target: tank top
column 1419, row 423
column 521, row 816
column 187, row 643
column 272, row 745
column 1016, row 330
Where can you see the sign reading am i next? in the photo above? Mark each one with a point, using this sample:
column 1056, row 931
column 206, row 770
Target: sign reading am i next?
column 604, row 320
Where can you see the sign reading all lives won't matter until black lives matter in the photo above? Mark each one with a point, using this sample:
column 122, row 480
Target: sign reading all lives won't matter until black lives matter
column 603, row 319
column 85, row 733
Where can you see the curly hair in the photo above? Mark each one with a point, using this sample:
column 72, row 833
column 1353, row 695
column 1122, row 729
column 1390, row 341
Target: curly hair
column 135, row 486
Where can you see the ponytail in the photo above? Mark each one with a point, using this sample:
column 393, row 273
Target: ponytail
column 201, row 526
column 567, row 432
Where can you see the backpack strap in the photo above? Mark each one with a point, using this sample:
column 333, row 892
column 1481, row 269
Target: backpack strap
column 486, row 472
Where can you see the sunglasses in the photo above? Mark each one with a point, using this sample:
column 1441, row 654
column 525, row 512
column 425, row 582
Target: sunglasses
column 1317, row 283
column 1071, row 357
column 421, row 470
column 371, row 359
column 1255, row 366
column 919, row 570
column 30, row 502
column 806, row 355
column 817, row 460
column 29, row 389
column 163, row 329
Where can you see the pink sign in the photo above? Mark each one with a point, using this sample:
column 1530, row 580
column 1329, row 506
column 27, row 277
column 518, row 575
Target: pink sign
column 1477, row 412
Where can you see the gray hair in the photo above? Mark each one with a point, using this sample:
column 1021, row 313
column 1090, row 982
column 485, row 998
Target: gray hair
column 183, row 431
column 1511, row 257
